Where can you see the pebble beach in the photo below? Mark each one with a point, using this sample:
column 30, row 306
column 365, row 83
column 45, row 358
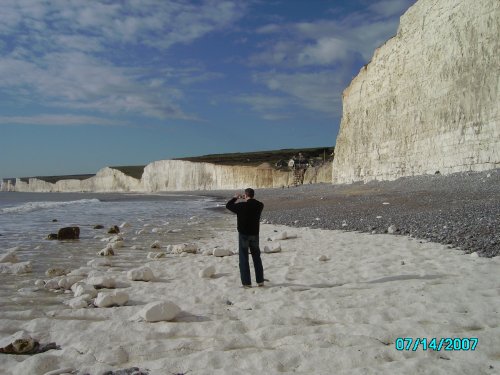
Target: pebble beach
column 336, row 300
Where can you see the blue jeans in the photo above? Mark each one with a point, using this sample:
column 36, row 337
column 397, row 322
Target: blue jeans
column 250, row 242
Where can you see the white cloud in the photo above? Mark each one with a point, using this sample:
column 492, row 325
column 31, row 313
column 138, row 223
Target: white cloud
column 58, row 120
column 272, row 108
column 73, row 54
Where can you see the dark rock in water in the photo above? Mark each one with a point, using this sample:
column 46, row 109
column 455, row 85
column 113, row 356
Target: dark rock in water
column 114, row 230
column 68, row 233
column 98, row 226
column 54, row 220
column 52, row 236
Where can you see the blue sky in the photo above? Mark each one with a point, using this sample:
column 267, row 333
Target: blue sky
column 88, row 84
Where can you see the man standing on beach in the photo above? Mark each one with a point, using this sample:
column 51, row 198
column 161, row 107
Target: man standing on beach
column 248, row 218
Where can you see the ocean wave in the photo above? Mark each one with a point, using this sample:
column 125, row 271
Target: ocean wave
column 36, row 206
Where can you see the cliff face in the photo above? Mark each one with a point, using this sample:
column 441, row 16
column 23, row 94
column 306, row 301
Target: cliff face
column 177, row 175
column 106, row 180
column 429, row 99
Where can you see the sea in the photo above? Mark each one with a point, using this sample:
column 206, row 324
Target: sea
column 26, row 219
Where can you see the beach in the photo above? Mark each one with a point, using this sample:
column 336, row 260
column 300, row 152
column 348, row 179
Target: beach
column 335, row 301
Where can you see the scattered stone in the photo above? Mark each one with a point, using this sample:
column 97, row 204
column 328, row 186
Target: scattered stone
column 323, row 258
column 107, row 251
column 81, row 289
column 392, row 229
column 52, row 284
column 108, row 299
column 52, row 236
column 98, row 226
column 184, row 248
column 141, row 274
column 156, row 245
column 39, row 283
column 101, row 282
column 474, row 255
column 385, row 203
column 275, row 248
column 54, row 220
column 114, row 230
column 160, row 311
column 68, row 281
column 56, row 271
column 207, row 272
column 208, row 252
column 18, row 343
column 79, row 302
column 222, row 252
column 68, row 233
column 156, row 230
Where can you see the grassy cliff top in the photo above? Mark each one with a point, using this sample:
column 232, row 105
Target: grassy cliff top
column 259, row 157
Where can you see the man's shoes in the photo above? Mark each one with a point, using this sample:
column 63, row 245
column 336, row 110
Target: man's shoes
column 260, row 284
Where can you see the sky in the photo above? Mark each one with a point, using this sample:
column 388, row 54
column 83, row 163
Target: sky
column 86, row 84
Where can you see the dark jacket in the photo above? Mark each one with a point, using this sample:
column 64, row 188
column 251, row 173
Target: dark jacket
column 248, row 215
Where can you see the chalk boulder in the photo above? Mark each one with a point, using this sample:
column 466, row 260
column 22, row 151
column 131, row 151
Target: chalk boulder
column 16, row 268
column 68, row 281
column 275, row 248
column 81, row 289
column 108, row 299
column 222, row 253
column 107, row 251
column 156, row 255
column 56, row 271
column 156, row 245
column 101, row 282
column 160, row 311
column 184, row 248
column 141, row 274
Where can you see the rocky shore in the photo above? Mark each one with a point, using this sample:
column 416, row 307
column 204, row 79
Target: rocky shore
column 459, row 210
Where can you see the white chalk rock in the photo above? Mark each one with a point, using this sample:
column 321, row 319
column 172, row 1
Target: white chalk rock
column 82, row 271
column 56, row 271
column 124, row 225
column 16, row 268
column 79, row 302
column 157, row 230
column 68, row 281
column 101, row 282
column 275, row 248
column 160, row 311
column 39, row 283
column 52, row 283
column 323, row 258
column 156, row 245
column 222, row 252
column 474, row 255
column 207, row 272
column 392, row 229
column 156, row 255
column 184, row 248
column 9, row 257
column 81, row 289
column 141, row 274
column 281, row 236
column 107, row 251
column 108, row 299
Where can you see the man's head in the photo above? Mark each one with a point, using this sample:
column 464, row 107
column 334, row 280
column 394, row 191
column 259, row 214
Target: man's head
column 249, row 192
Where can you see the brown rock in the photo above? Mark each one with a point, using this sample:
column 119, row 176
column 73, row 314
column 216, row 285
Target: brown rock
column 114, row 230
column 68, row 233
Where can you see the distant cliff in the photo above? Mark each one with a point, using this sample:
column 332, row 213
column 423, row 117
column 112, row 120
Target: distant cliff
column 173, row 175
column 429, row 99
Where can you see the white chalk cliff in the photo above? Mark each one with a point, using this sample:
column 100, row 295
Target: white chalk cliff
column 429, row 99
column 175, row 175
